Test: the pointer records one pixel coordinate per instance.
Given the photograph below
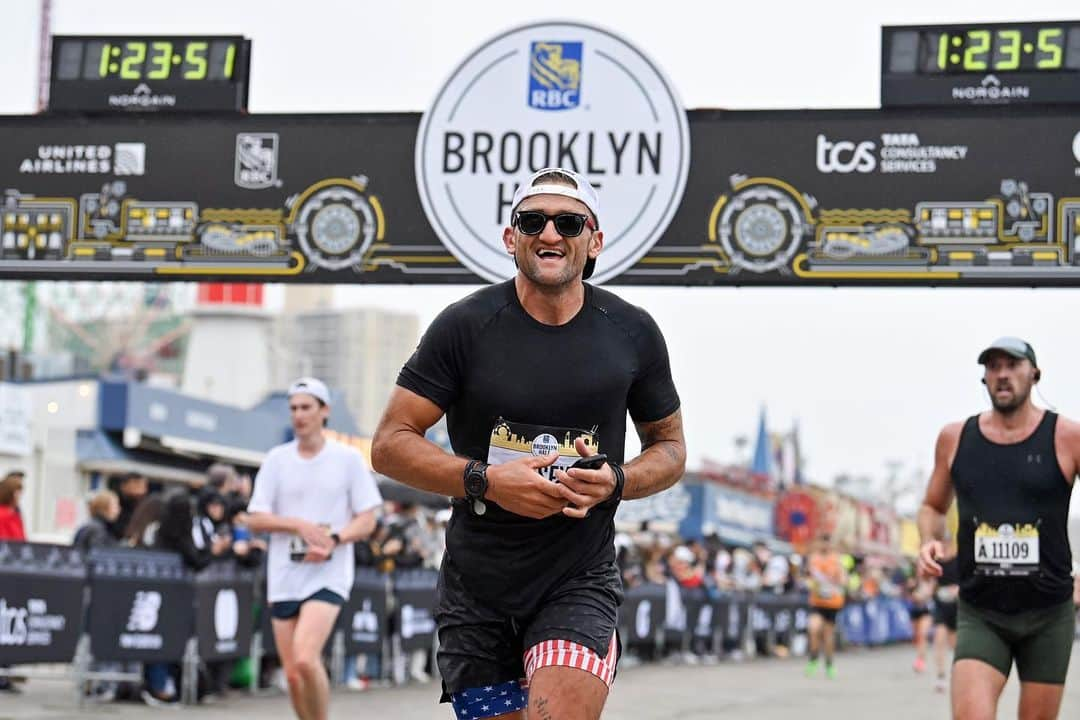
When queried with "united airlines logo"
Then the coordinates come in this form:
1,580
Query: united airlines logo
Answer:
555,75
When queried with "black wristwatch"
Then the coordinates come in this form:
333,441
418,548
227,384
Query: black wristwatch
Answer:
476,485
336,538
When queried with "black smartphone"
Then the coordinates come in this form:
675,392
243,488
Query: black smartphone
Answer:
593,462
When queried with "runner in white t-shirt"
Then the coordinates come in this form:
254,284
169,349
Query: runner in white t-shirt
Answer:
315,498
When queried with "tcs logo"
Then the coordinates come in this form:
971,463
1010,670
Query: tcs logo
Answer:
844,156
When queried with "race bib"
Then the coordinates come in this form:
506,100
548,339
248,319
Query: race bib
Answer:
513,440
1007,550
298,547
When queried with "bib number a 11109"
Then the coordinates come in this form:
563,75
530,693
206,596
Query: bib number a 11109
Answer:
1011,550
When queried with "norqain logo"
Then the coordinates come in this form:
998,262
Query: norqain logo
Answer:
619,123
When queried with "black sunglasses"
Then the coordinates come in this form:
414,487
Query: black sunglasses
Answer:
533,222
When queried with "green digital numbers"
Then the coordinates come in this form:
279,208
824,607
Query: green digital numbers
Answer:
1050,46
978,44
1008,50
103,66
943,52
1025,48
230,59
160,60
131,64
195,59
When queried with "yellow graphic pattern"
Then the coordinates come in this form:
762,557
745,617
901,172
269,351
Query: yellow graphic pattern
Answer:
503,436
1027,530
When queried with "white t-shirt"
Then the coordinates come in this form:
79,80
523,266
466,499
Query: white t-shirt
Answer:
328,489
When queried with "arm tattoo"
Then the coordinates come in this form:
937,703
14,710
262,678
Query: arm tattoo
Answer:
662,459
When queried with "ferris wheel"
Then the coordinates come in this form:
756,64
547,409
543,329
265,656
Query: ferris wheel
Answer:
102,321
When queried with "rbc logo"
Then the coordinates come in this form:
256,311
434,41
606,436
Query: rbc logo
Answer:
555,75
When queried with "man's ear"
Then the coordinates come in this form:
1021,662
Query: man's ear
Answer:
596,243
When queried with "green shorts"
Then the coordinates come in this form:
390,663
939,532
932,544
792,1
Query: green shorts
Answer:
1040,641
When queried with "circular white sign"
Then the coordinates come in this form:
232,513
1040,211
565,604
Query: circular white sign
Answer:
554,94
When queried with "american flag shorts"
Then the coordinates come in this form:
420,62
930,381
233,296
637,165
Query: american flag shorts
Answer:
563,653
491,700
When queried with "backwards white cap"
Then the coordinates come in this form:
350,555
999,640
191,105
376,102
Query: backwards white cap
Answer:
582,189
310,386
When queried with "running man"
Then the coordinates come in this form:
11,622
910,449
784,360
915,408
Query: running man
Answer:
827,582
920,590
1012,469
534,374
945,599
316,498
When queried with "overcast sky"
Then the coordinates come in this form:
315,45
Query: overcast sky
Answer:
870,374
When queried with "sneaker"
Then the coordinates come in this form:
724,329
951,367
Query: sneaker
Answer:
358,684
830,672
942,685
811,668
154,701
919,665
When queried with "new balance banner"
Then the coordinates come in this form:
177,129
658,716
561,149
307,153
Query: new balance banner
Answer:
141,605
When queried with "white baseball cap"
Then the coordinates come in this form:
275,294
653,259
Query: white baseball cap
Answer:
684,554
582,191
310,386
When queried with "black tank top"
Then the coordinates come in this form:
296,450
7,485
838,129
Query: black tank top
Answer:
1013,506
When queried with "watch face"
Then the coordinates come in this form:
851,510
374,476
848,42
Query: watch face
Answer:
476,482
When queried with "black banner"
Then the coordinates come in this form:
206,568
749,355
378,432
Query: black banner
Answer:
41,600
738,616
642,612
979,196
224,611
414,615
141,605
364,618
704,615
784,615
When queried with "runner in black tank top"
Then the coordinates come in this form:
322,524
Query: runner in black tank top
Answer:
1011,470
1014,510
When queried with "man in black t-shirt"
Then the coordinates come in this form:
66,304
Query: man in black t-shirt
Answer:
1011,469
533,375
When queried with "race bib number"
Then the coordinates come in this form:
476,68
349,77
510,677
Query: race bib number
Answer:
1009,550
298,547
513,440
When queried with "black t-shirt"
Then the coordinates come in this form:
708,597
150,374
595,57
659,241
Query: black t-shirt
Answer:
511,385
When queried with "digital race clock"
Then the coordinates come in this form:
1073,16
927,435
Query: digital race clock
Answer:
1032,63
151,73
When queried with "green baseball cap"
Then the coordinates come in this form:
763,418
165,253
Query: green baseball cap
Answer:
1014,346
